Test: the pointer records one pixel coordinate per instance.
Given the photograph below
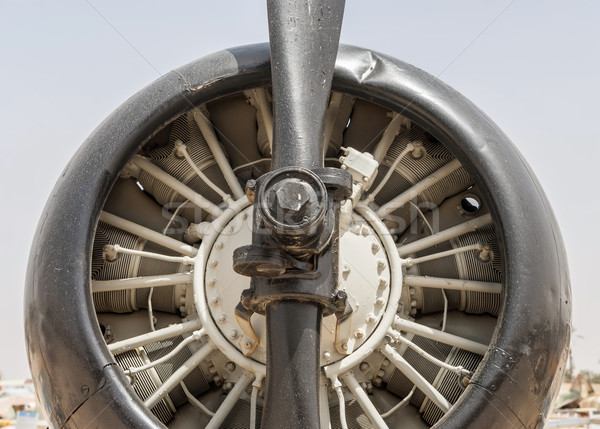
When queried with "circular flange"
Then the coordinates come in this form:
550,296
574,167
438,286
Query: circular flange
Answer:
364,274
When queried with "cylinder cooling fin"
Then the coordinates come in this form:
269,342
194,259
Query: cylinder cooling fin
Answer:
456,319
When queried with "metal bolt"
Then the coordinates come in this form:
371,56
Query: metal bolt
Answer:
230,366
346,269
379,301
234,334
385,363
380,373
251,190
341,295
381,264
212,282
247,345
364,367
375,247
326,356
219,245
377,381
359,333
365,230
371,318
383,283
215,300
222,318
244,216
213,264
345,346
85,389
293,198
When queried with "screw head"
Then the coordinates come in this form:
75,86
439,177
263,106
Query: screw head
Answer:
222,318
234,334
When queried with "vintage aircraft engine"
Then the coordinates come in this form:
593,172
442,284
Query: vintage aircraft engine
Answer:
450,304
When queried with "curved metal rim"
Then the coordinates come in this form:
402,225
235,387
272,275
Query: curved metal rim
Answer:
512,376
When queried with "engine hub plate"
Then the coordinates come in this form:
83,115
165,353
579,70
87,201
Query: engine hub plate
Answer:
364,274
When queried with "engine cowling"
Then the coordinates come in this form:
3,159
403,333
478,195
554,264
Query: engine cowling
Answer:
449,253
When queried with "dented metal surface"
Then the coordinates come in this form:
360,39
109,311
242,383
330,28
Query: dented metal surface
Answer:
514,384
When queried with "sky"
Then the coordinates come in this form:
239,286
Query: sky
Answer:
531,66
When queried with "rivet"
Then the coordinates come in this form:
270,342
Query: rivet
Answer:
326,356
233,334
359,333
345,346
215,300
244,216
222,318
219,245
212,282
371,318
229,229
213,264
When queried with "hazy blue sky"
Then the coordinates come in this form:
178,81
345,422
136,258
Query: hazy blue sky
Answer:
531,66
